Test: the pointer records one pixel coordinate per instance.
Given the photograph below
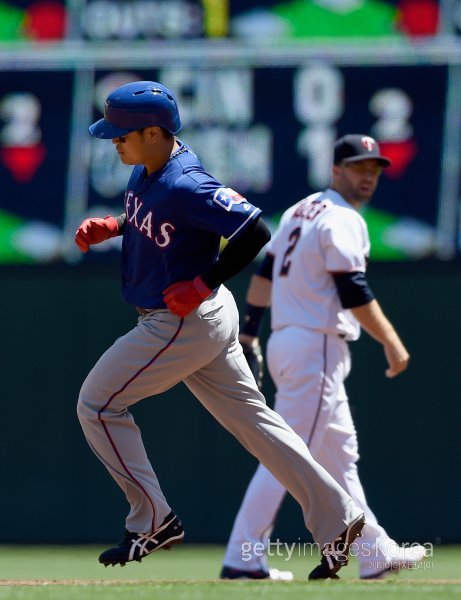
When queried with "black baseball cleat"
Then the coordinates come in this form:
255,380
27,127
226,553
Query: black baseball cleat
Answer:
230,573
336,554
272,574
135,546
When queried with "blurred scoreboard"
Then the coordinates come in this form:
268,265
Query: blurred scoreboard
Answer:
263,119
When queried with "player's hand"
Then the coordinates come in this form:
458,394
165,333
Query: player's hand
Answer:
94,231
183,296
255,360
397,358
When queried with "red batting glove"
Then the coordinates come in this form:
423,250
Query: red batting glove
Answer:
183,296
95,231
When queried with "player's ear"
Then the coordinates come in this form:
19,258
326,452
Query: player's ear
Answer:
335,170
153,133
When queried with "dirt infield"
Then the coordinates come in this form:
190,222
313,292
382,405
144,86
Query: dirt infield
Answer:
105,582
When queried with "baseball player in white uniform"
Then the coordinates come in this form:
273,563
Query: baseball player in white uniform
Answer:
314,278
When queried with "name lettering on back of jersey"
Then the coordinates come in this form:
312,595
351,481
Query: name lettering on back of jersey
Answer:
310,210
145,224
227,198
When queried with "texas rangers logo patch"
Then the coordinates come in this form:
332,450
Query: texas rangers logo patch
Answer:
227,198
368,143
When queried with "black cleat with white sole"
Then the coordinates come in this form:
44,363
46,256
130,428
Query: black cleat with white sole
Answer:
272,574
336,554
135,546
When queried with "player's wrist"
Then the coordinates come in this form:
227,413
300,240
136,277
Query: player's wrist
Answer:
253,320
202,288
121,223
248,340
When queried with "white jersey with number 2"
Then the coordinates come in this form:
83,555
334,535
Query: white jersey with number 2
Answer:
320,235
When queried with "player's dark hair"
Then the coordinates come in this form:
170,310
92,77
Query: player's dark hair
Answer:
167,134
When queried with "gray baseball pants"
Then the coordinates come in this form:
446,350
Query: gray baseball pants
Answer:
203,351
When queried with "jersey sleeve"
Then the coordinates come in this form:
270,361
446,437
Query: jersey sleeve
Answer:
345,242
220,210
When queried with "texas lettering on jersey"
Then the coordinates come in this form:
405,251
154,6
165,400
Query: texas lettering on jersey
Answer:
145,223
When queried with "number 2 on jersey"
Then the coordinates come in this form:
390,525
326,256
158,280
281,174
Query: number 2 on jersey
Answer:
286,262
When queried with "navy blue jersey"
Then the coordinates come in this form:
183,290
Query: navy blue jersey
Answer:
175,220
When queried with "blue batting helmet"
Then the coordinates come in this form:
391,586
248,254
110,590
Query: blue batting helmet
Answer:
136,105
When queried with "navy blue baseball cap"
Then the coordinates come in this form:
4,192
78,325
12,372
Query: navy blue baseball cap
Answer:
355,147
137,105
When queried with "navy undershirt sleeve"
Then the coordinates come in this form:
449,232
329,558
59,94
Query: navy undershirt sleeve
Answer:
352,289
265,268
254,314
238,253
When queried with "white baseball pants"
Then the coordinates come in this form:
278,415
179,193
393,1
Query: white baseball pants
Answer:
308,369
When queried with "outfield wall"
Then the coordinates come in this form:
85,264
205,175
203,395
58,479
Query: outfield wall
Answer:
56,321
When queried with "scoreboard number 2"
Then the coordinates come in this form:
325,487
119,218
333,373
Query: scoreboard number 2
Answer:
393,108
20,113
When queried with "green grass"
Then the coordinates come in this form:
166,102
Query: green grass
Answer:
190,572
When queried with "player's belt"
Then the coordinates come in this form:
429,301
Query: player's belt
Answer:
143,311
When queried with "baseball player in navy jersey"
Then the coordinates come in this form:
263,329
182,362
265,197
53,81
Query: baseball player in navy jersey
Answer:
174,216
314,277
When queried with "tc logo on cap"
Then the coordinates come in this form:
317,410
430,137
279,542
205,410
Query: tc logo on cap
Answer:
368,143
